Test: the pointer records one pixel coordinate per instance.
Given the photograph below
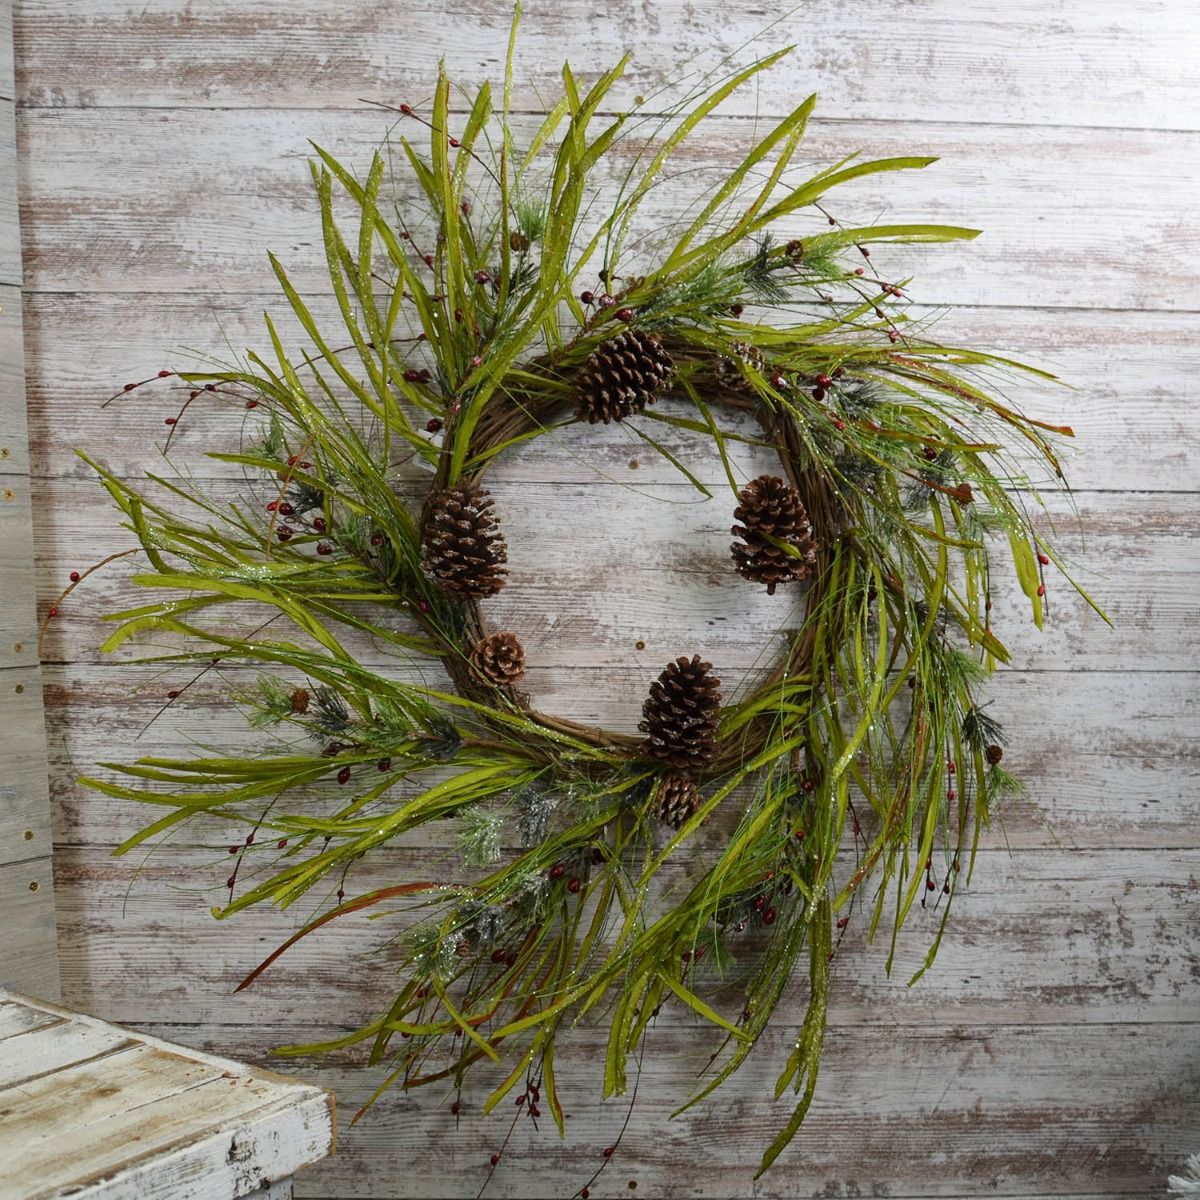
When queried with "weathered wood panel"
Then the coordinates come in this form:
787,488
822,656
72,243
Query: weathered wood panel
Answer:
1053,1050
1110,933
1111,758
139,1119
900,1112
14,450
29,958
10,242
1130,397
620,567
1105,62
1112,221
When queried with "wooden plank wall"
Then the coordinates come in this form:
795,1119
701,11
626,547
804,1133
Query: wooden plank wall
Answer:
28,950
1055,1050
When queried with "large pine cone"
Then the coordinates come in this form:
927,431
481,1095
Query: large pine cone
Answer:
677,799
621,377
681,714
771,508
500,659
462,546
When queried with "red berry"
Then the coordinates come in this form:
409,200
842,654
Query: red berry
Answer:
736,309
286,509
250,838
860,270
230,882
412,376
584,1194
377,539
573,886
384,764
406,109
251,403
324,548
341,895
557,871
1041,589
454,1107
520,1099
74,577
284,533
210,387
279,845
165,374
319,524
343,776
168,420
929,885
498,956
624,314
475,362
951,795
769,917
951,766
172,694
818,394
893,336
129,387
864,252
760,903
606,301
52,611
843,922
838,423
586,297
778,381
433,425
1044,559
808,785
534,1111
494,1159
482,277
234,849
429,260
535,1092
272,505
824,380
608,1151
800,835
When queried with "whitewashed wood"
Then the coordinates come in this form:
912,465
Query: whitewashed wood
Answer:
7,85
18,1018
1103,232
169,205
901,1112
14,451
1110,758
619,567
1105,62
1043,936
141,1118
1130,397
53,1047
10,245
29,960
18,620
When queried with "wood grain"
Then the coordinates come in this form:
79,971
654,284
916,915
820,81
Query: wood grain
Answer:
976,1110
14,449
1110,932
1104,62
1054,1049
1128,391
153,223
127,1117
30,958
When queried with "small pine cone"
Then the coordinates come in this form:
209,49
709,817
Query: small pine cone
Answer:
681,714
622,376
729,370
677,799
994,754
300,701
500,659
463,546
771,508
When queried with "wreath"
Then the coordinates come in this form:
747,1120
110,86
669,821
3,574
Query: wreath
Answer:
856,774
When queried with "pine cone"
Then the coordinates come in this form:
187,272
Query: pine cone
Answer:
771,508
622,376
730,374
677,799
463,546
681,714
500,659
